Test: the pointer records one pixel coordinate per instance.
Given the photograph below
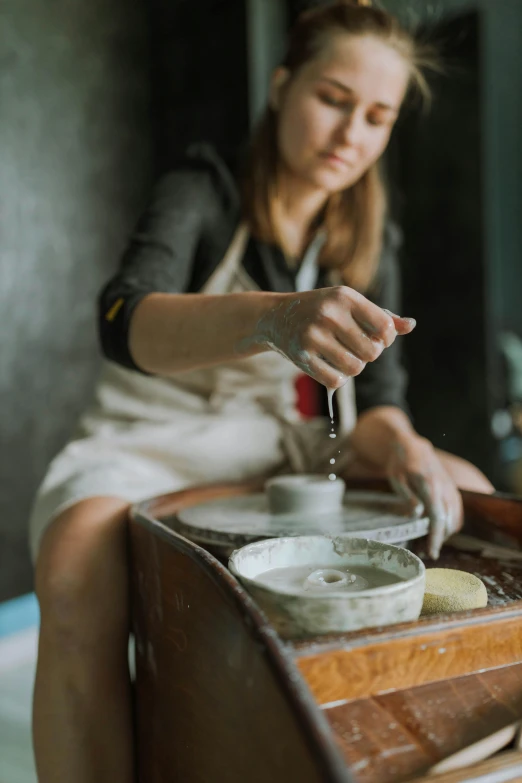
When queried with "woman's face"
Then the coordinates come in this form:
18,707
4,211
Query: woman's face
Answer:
337,112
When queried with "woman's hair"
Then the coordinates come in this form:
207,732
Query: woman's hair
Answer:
353,218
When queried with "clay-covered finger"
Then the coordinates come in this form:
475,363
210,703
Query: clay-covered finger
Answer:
374,321
438,531
358,342
400,486
402,325
432,497
455,514
338,356
421,488
323,372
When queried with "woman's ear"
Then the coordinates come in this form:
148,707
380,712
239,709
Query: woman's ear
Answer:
279,78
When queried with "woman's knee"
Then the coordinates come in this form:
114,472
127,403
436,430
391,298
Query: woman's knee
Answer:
465,474
81,573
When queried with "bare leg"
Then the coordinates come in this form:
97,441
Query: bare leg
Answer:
82,720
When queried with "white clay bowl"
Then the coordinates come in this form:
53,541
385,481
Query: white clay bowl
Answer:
294,614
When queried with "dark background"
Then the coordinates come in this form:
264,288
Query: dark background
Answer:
438,199
97,98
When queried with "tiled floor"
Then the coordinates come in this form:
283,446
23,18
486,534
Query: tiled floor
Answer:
17,667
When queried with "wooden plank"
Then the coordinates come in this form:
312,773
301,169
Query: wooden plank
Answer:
500,512
358,665
387,738
377,748
504,768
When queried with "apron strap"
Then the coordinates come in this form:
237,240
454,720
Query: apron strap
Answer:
219,281
346,407
306,277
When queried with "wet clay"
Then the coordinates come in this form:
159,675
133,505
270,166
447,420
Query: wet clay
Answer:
332,476
320,579
331,393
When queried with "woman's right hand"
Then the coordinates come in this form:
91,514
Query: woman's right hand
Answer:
330,333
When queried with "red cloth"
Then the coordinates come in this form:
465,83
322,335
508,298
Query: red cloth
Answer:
308,397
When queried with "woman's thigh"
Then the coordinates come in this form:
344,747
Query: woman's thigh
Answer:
81,577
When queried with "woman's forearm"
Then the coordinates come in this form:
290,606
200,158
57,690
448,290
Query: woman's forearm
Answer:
378,432
329,333
177,332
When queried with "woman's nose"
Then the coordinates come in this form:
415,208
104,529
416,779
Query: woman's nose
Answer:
352,129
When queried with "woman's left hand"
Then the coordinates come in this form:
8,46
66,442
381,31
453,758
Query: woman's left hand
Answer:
416,472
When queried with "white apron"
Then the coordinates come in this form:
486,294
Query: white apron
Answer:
148,435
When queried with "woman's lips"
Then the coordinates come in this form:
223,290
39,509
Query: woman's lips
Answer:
336,160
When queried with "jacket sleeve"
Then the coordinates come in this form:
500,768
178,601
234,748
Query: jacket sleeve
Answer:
161,256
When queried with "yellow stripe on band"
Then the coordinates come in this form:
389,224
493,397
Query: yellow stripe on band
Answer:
113,312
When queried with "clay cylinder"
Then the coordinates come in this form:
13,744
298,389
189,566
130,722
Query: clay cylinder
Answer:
306,494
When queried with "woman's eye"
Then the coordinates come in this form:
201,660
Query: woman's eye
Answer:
330,101
377,121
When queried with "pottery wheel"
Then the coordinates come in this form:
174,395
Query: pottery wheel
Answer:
239,520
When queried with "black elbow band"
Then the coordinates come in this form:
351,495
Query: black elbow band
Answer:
114,318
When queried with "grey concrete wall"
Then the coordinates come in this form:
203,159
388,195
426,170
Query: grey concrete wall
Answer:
75,165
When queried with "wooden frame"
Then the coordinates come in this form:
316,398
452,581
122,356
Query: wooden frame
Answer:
406,656
217,696
220,697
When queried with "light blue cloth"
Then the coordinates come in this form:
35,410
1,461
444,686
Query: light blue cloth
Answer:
19,614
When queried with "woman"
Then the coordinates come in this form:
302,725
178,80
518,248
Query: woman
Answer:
219,303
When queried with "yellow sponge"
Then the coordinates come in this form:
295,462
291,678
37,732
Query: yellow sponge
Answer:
448,590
